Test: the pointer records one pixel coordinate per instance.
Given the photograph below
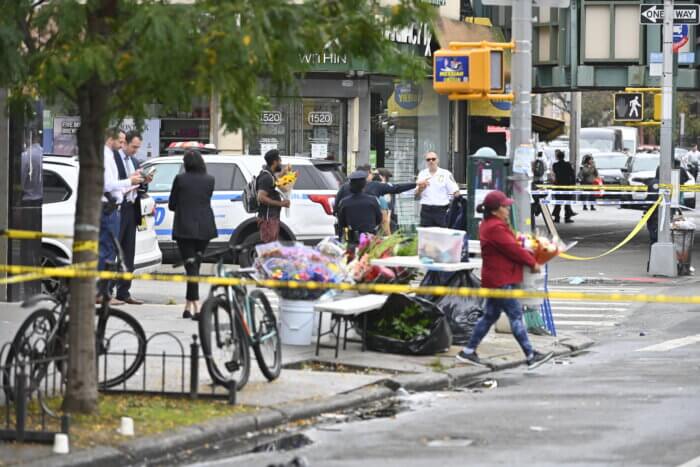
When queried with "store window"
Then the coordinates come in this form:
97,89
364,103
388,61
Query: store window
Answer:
307,127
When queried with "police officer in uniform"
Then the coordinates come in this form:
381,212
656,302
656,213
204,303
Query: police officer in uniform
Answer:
359,212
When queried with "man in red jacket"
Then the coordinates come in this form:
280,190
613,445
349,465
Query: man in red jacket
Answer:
503,261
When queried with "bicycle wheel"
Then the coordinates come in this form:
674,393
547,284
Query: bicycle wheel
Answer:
266,340
30,344
121,342
224,343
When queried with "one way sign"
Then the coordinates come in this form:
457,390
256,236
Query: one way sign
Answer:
682,14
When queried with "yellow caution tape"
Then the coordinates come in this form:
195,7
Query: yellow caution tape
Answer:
21,278
368,288
30,234
629,237
86,245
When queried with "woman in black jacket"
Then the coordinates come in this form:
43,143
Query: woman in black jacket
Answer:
194,226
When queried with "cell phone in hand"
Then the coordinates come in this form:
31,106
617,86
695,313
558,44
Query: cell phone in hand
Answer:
148,171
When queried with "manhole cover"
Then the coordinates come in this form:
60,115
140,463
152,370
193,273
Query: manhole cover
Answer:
450,443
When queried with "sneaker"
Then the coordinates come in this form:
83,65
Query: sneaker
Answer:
585,208
472,358
538,359
556,221
593,208
569,221
573,214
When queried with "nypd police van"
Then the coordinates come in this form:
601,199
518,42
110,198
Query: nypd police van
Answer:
308,220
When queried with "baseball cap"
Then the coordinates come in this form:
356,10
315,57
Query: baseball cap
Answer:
358,175
496,199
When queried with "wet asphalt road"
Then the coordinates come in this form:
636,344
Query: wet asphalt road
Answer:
615,404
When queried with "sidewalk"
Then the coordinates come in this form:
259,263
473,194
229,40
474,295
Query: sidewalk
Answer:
307,387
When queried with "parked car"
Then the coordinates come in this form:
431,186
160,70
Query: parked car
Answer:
309,219
641,168
60,174
630,137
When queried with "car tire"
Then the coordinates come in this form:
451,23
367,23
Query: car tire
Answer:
246,258
49,259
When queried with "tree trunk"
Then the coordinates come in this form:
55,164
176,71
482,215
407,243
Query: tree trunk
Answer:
81,390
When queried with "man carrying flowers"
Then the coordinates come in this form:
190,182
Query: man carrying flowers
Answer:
270,201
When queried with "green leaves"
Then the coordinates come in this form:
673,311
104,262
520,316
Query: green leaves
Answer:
149,51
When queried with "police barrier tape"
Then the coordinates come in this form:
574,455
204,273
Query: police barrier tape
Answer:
684,188
69,272
629,237
588,192
560,202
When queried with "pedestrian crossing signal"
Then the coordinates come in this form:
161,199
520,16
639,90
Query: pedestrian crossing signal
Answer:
628,106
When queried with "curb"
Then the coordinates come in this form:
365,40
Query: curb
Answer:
153,447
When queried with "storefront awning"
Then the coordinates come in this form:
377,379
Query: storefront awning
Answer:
450,30
547,128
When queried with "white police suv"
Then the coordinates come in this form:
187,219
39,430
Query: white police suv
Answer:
60,177
308,220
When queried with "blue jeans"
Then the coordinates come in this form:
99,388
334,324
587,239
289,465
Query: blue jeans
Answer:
513,310
109,225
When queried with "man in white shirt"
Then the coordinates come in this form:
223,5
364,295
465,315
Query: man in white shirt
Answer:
111,206
435,189
130,211
694,160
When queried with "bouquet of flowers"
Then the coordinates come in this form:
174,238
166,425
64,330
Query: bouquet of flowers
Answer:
285,184
374,247
543,248
298,262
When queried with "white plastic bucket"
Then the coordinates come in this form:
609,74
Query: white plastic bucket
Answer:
296,321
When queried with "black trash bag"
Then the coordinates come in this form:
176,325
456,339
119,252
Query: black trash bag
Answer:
437,339
462,313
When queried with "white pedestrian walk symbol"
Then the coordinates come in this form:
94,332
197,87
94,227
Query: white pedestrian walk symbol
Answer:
635,105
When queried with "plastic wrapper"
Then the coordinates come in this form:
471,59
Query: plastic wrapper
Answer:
298,262
542,247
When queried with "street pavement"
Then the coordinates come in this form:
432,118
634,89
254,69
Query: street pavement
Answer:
602,384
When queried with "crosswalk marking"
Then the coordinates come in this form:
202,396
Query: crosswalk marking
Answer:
584,315
671,344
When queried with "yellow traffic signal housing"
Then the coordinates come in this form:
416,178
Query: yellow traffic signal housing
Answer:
657,107
468,71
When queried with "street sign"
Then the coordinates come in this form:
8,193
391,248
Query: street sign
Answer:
680,36
682,14
629,106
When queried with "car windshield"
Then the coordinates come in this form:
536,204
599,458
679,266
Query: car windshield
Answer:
645,164
597,143
611,161
164,176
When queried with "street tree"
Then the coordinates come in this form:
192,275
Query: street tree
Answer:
113,58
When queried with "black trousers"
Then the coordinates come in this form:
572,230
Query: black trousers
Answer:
433,216
188,251
127,240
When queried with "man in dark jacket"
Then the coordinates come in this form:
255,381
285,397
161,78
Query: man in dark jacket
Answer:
359,212
373,188
563,175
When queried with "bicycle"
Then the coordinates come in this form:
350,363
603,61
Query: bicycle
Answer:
232,320
42,338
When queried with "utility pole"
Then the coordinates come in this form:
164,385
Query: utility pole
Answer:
662,261
521,118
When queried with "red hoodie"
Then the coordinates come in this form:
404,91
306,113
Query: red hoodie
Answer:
503,257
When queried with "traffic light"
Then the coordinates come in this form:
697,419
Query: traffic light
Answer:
657,107
468,70
628,106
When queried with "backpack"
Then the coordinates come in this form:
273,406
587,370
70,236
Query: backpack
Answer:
539,168
250,194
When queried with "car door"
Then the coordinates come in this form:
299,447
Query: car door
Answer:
159,190
58,208
227,201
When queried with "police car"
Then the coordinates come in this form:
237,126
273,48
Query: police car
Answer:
309,219
60,179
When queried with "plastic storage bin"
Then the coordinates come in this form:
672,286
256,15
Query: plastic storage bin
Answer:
440,245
